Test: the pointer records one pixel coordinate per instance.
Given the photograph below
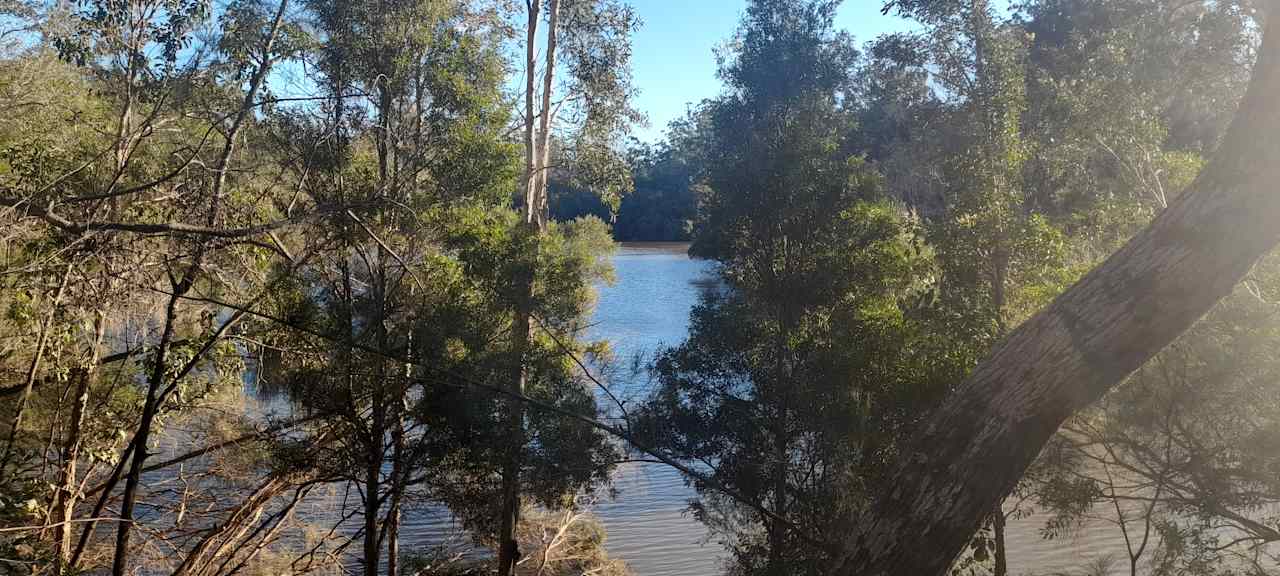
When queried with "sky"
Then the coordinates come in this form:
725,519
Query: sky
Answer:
674,63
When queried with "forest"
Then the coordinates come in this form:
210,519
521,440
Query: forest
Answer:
277,277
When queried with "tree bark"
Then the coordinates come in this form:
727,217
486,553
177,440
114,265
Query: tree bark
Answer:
537,142
979,443
547,116
508,548
393,532
530,109
1000,556
373,489
64,510
120,562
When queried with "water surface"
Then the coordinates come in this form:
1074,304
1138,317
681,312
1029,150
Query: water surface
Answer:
647,308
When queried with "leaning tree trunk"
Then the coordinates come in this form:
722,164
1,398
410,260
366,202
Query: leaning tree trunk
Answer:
979,443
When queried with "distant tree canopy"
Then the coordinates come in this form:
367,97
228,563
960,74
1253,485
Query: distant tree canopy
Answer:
661,207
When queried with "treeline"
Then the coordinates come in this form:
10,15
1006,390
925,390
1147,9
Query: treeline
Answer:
661,205
265,257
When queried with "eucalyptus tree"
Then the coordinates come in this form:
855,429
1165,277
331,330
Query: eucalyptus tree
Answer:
982,439
1043,145
996,254
1176,458
584,91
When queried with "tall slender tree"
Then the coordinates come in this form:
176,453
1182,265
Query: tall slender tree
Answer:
584,89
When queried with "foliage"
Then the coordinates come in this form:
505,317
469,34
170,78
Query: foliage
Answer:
661,207
766,395
464,415
255,249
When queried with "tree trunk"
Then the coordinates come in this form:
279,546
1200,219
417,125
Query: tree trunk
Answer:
979,443
530,110
112,480
1001,557
120,563
64,511
238,519
508,550
393,517
372,490
537,143
548,114
777,529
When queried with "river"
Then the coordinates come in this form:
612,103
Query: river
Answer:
648,307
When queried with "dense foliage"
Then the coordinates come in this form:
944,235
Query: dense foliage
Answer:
275,274
882,219
279,237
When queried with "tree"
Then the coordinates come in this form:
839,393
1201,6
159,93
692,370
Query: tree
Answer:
662,205
592,38
431,86
762,396
1091,337
135,47
996,253
1110,111
464,431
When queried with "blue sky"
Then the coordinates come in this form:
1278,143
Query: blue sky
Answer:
674,64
